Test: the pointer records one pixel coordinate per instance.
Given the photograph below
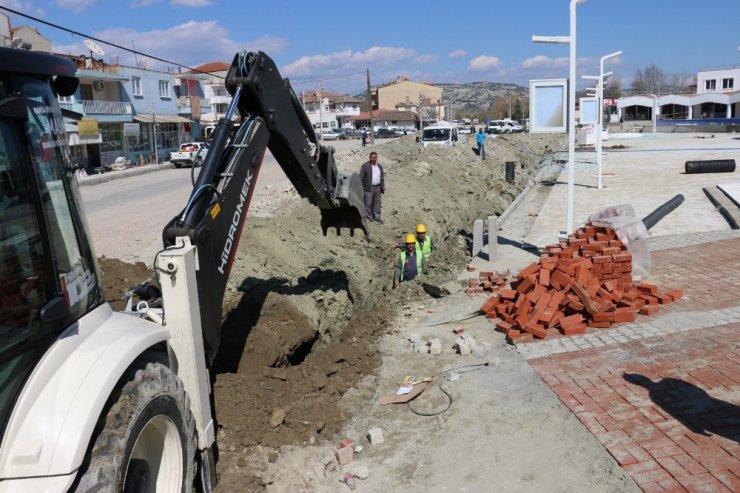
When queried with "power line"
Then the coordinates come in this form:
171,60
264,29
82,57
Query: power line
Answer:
83,35
320,79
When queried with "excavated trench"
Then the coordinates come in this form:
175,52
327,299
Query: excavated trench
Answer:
302,310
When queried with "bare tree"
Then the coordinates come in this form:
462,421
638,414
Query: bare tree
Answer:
681,82
639,85
655,79
613,88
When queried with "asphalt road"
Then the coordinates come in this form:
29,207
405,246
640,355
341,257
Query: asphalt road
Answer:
126,215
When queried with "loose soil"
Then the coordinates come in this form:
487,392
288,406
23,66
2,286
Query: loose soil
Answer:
303,311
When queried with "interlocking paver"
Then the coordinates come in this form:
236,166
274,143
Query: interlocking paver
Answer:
662,394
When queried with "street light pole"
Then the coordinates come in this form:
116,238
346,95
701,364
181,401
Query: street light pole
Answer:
571,40
599,156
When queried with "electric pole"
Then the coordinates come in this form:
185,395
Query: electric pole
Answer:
321,112
370,105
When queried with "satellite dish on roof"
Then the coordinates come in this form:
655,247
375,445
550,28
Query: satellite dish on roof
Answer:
93,47
16,43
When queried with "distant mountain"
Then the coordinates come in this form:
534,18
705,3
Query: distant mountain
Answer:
474,97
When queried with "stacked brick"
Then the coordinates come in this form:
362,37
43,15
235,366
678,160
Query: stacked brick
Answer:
583,281
487,281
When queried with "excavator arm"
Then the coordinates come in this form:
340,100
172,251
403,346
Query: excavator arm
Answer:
271,117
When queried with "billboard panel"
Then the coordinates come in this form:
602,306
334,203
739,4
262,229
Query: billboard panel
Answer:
548,106
589,110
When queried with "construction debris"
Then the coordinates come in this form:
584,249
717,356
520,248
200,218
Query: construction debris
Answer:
487,281
583,281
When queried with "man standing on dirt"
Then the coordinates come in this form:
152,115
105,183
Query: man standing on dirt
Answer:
410,262
480,138
373,184
364,138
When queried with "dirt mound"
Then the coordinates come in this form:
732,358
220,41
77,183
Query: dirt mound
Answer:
302,310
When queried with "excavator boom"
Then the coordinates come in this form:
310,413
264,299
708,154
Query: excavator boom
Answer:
271,117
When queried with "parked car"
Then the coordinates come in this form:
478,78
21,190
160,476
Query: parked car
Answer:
515,128
349,134
329,135
385,133
496,127
191,153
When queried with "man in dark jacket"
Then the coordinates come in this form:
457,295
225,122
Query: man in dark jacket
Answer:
373,184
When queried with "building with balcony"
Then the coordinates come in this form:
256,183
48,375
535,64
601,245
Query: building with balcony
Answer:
125,112
330,110
216,97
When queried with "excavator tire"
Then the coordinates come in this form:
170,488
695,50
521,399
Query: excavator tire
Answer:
145,438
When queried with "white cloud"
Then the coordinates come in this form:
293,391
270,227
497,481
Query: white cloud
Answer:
542,61
458,54
190,44
425,59
142,3
22,6
74,5
190,3
348,59
484,62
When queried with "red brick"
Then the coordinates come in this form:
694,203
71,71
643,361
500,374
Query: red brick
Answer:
534,294
574,330
502,326
622,455
508,294
526,285
520,338
490,304
460,330
649,310
647,287
663,299
599,325
675,294
471,268
473,283
626,316
556,298
527,271
544,277
604,317
486,274
535,329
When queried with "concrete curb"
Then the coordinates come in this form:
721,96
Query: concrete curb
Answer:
115,175
512,207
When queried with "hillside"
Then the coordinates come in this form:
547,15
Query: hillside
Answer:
474,97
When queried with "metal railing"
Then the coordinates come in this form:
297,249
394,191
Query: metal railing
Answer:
107,107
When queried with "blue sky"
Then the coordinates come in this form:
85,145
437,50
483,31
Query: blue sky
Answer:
437,41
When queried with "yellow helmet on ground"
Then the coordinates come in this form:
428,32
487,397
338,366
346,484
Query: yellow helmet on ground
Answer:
410,238
420,228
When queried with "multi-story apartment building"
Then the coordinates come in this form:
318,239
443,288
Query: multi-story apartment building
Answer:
129,112
407,95
216,97
330,110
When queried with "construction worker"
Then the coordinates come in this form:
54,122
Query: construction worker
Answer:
424,243
410,262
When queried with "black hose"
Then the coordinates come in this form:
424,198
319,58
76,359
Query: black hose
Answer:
710,166
654,217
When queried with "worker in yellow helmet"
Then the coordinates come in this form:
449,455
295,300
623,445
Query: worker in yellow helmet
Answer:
410,262
424,243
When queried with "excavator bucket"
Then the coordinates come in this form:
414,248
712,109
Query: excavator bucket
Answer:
349,206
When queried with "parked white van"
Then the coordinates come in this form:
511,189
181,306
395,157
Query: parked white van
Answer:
441,133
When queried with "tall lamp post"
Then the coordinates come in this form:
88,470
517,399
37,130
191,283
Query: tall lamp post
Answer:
571,40
599,157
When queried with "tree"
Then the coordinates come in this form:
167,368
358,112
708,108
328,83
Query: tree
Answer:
517,113
639,85
613,88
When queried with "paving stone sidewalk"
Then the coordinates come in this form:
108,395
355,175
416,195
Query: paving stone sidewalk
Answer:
663,394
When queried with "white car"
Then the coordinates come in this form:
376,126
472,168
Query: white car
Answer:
191,153
330,135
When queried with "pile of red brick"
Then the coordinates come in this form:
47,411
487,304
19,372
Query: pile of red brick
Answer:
488,281
584,281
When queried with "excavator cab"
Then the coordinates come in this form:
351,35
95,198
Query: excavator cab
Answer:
48,273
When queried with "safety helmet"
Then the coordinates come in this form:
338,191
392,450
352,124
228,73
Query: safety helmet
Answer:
410,238
420,228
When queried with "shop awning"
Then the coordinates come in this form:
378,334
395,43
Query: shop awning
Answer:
157,118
